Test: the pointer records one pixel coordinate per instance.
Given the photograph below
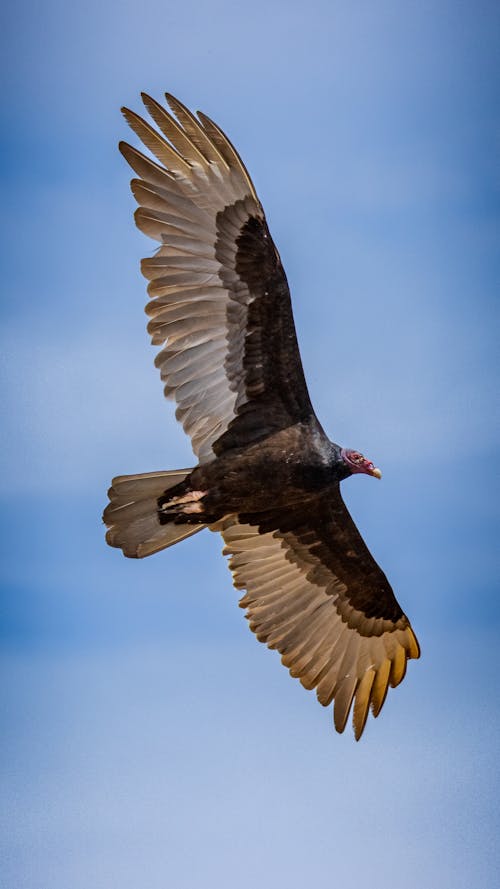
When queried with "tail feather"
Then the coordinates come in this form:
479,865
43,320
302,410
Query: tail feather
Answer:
132,513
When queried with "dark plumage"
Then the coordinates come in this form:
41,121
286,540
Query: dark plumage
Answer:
267,476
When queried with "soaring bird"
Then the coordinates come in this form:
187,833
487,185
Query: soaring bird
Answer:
267,477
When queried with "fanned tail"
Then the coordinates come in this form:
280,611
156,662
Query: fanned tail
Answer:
133,517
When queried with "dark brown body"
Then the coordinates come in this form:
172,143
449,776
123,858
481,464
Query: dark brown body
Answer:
287,468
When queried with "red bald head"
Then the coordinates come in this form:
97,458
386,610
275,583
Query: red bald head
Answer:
358,463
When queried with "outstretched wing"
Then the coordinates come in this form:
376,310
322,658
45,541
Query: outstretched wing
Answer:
315,593
220,305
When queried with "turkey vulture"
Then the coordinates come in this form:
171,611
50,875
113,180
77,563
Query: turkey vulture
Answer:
267,477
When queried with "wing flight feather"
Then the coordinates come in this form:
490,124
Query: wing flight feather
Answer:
304,599
216,279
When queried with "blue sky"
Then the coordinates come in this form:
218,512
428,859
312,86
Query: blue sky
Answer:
147,738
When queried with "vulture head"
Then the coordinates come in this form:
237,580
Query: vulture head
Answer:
356,462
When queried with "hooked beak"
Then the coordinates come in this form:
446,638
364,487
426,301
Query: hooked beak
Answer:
376,472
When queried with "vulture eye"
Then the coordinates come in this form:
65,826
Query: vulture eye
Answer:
357,458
